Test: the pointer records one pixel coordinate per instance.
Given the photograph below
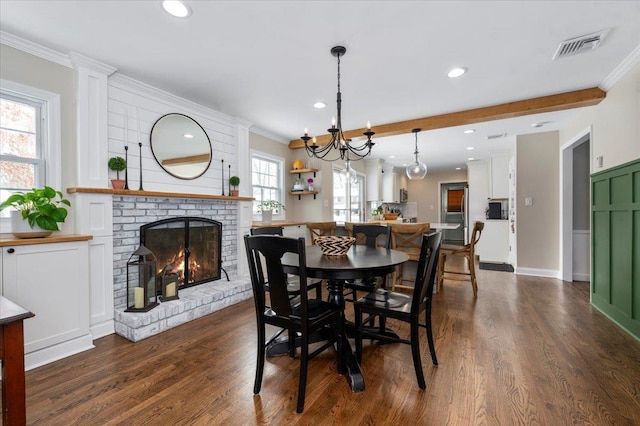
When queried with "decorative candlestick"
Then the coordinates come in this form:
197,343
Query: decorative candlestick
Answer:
229,179
126,169
222,176
140,146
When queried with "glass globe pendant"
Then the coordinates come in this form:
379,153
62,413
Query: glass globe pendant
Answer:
348,175
416,170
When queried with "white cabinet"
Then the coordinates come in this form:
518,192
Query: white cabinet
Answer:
494,242
373,168
52,281
499,176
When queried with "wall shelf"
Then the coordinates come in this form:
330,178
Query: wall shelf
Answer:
136,193
299,193
299,172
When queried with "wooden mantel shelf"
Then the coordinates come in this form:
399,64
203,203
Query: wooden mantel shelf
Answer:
136,193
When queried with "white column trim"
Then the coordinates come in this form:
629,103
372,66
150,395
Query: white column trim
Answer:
245,215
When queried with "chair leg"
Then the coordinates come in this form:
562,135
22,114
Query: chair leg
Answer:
340,338
319,291
472,272
441,261
292,343
432,348
257,384
415,351
304,361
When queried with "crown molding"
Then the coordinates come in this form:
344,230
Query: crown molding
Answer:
267,134
35,49
625,66
143,89
78,60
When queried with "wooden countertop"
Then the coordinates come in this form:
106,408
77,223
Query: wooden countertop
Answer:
5,242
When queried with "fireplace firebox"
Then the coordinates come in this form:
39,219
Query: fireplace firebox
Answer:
191,246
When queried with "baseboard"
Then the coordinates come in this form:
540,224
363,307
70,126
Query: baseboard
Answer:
102,329
61,350
581,277
549,273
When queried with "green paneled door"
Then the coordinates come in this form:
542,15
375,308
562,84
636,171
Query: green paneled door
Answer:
615,244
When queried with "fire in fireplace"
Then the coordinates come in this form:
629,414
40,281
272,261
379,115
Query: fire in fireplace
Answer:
187,246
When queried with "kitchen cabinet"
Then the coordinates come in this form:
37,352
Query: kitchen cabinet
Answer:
52,281
499,176
493,245
391,184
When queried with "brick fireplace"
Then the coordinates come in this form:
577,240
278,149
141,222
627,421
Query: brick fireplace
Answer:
129,214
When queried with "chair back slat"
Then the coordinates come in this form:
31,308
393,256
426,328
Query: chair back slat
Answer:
426,270
372,235
271,248
267,230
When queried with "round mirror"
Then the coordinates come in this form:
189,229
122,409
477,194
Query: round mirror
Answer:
181,146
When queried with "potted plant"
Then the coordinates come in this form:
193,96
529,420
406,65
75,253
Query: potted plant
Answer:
234,181
117,164
37,212
267,207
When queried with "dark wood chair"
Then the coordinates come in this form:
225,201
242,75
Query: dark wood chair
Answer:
303,317
389,304
468,251
292,280
371,236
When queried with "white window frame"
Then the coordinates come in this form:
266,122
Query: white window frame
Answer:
280,161
363,182
50,128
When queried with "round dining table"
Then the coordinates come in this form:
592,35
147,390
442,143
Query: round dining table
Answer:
360,262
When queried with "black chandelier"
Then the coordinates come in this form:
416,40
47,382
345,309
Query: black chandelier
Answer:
338,145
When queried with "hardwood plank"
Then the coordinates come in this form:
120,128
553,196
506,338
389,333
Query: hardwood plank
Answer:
528,350
557,102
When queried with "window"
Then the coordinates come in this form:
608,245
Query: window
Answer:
29,139
348,198
266,181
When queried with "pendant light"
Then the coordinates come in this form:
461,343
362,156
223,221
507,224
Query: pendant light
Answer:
417,169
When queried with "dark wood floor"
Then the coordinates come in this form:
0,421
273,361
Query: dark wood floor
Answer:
527,351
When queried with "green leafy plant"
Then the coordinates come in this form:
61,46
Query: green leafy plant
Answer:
270,205
117,164
234,181
41,206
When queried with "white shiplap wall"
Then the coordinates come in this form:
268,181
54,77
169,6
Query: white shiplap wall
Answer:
144,105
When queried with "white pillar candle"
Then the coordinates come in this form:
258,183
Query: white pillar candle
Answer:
171,289
138,297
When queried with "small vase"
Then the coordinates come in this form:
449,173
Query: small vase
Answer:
20,227
266,216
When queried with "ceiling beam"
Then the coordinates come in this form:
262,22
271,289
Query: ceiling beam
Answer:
551,103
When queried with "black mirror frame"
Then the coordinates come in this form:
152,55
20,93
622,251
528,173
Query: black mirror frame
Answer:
159,162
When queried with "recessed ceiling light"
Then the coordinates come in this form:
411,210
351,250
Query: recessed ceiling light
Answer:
404,164
468,131
469,148
188,135
319,105
392,156
458,168
470,159
456,72
176,8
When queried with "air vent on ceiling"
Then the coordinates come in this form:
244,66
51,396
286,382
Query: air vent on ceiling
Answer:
496,136
580,44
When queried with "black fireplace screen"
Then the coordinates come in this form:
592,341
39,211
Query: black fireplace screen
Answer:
187,246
